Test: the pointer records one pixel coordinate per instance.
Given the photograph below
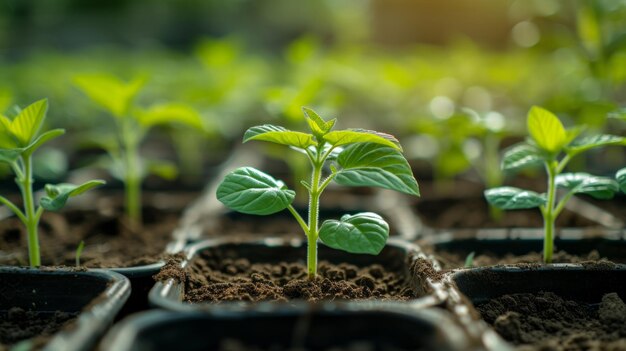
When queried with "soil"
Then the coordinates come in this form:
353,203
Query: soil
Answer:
473,212
109,239
17,324
452,260
224,276
461,204
546,321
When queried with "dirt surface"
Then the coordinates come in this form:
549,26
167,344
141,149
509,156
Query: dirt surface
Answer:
451,260
17,324
223,276
109,240
473,212
545,321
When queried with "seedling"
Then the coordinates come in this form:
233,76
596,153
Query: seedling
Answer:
79,252
469,260
355,157
20,137
553,146
132,124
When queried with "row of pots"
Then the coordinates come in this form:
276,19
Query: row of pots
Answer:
443,317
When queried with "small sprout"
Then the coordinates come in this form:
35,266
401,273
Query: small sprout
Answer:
552,146
20,137
360,158
79,252
469,260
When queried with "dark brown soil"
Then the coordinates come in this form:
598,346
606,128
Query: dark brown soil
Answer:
223,276
109,240
545,321
461,204
473,212
17,324
451,260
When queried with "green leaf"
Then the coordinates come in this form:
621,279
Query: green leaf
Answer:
583,183
10,155
591,142
248,190
521,156
510,198
618,114
42,139
279,135
370,164
57,195
361,233
318,126
546,130
620,176
351,136
163,169
27,124
110,92
170,113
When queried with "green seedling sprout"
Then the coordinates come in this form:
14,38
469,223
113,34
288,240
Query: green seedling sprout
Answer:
551,145
20,137
355,157
79,252
469,260
132,124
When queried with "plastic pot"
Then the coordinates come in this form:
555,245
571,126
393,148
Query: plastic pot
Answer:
397,253
290,328
97,294
584,284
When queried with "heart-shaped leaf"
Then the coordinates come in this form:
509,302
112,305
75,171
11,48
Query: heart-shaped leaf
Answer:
546,130
620,176
361,233
351,136
591,142
57,195
279,135
370,164
583,183
521,156
248,190
511,198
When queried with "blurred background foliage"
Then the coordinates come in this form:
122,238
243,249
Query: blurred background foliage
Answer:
453,79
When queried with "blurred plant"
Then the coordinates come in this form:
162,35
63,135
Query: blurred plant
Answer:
20,137
548,141
132,125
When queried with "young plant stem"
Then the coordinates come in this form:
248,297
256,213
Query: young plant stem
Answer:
548,213
25,181
314,202
132,178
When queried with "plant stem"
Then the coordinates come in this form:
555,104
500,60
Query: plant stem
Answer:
314,202
548,213
132,178
32,218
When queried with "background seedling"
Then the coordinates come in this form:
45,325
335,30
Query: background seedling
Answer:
79,252
20,137
355,157
553,146
132,125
